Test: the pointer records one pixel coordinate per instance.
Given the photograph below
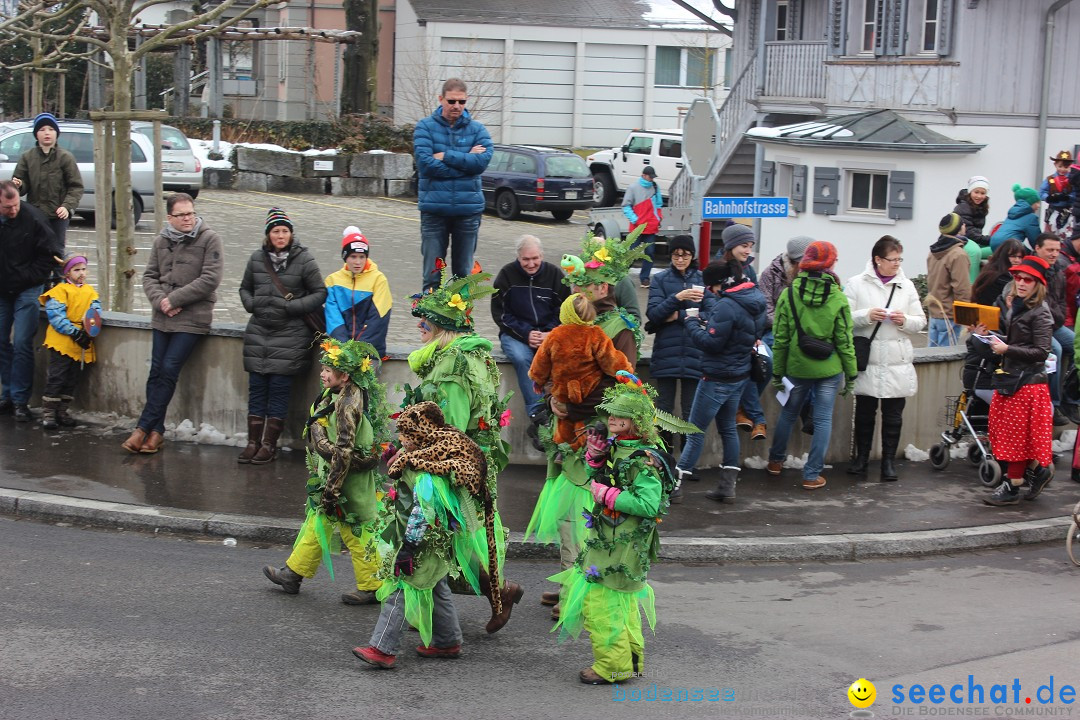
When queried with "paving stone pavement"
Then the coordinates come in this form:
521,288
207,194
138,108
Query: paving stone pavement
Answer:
391,224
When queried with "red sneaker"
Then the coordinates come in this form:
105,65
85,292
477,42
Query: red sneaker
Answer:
453,651
375,656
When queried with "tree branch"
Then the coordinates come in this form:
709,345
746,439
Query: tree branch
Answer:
168,37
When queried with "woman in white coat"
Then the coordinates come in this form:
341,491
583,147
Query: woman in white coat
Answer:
885,306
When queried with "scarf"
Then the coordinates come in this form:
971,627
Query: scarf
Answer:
174,236
279,259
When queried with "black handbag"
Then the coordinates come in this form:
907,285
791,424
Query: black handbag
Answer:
1006,383
862,344
759,366
812,347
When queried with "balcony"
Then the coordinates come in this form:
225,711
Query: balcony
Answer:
795,70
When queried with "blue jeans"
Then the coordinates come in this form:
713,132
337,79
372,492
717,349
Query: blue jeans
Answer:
59,228
938,331
650,250
521,357
439,233
167,357
1062,347
18,325
719,401
825,391
268,394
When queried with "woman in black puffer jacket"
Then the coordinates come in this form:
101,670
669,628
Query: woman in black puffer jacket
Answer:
277,340
676,360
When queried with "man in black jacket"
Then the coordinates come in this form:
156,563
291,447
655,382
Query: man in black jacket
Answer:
28,253
526,308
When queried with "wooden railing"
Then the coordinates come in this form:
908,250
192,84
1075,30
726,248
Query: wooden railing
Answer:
795,70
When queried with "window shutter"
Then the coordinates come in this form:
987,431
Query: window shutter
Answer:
901,194
945,28
837,27
767,188
794,20
895,27
826,190
798,188
880,12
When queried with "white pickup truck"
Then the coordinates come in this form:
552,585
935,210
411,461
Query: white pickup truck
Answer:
613,170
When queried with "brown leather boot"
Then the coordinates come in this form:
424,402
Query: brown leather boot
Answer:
153,443
268,449
255,433
510,594
135,441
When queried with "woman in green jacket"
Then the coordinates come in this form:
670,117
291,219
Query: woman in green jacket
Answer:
813,310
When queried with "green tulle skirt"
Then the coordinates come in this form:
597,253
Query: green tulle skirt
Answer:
564,496
610,611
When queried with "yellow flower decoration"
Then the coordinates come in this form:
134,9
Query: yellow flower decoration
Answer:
326,346
602,254
456,301
365,364
334,352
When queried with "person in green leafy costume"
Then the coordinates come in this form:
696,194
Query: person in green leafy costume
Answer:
457,372
630,482
345,433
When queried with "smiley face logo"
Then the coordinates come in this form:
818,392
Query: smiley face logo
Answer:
862,693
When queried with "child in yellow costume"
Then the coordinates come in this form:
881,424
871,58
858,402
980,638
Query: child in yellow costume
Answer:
345,432
630,483
70,345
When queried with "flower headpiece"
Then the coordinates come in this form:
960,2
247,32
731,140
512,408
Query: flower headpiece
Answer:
450,305
602,260
631,398
356,359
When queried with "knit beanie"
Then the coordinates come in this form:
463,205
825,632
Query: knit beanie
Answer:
1025,194
682,242
978,181
45,119
950,224
722,272
1032,265
735,235
353,241
819,256
275,217
796,247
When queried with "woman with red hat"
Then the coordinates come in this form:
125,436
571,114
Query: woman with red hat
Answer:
1021,415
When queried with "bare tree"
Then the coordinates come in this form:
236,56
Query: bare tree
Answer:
106,26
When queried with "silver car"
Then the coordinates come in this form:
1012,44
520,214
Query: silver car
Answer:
78,138
181,171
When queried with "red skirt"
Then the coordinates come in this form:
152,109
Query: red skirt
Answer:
1022,425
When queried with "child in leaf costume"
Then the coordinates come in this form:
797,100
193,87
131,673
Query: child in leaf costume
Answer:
630,481
345,433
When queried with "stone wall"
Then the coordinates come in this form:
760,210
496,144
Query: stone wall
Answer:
372,173
213,389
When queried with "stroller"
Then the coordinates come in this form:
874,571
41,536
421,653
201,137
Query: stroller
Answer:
967,416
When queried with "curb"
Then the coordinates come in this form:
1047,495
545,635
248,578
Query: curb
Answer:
802,548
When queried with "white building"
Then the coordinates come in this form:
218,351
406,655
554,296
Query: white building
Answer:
558,72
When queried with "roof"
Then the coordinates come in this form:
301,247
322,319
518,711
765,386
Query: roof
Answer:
872,130
640,14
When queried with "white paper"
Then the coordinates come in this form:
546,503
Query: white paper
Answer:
783,395
763,350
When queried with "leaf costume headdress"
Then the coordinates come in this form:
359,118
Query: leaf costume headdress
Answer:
631,398
602,260
450,305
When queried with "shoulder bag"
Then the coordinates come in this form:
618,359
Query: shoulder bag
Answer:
862,343
315,320
812,347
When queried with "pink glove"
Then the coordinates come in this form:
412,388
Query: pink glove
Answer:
609,497
599,491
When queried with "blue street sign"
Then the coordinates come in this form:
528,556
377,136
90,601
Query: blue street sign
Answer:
719,208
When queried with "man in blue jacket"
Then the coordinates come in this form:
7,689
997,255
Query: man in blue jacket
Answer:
452,150
526,309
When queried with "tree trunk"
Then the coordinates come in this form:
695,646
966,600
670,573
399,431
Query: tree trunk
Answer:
360,59
124,277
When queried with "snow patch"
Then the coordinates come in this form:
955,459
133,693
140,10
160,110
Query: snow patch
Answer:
915,454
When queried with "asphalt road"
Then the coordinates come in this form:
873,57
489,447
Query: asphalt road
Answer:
103,624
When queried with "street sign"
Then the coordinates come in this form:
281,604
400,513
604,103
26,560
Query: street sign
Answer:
699,135
721,208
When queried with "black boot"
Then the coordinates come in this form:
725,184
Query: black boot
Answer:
49,407
865,417
891,424
62,416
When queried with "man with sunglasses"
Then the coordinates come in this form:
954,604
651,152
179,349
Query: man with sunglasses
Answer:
452,151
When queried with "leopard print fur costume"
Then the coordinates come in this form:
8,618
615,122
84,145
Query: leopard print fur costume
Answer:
442,449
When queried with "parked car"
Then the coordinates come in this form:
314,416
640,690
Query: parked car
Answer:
181,171
529,177
78,138
613,170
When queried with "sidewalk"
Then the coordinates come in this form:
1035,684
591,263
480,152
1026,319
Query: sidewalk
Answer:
84,476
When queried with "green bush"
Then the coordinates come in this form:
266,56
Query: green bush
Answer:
348,133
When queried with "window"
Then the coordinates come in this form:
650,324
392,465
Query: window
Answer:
523,164
686,67
568,166
15,145
781,19
640,145
931,24
499,160
670,148
868,192
869,25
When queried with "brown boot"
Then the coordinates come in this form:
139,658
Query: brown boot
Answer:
268,449
135,441
48,413
153,443
255,433
743,421
62,416
510,594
